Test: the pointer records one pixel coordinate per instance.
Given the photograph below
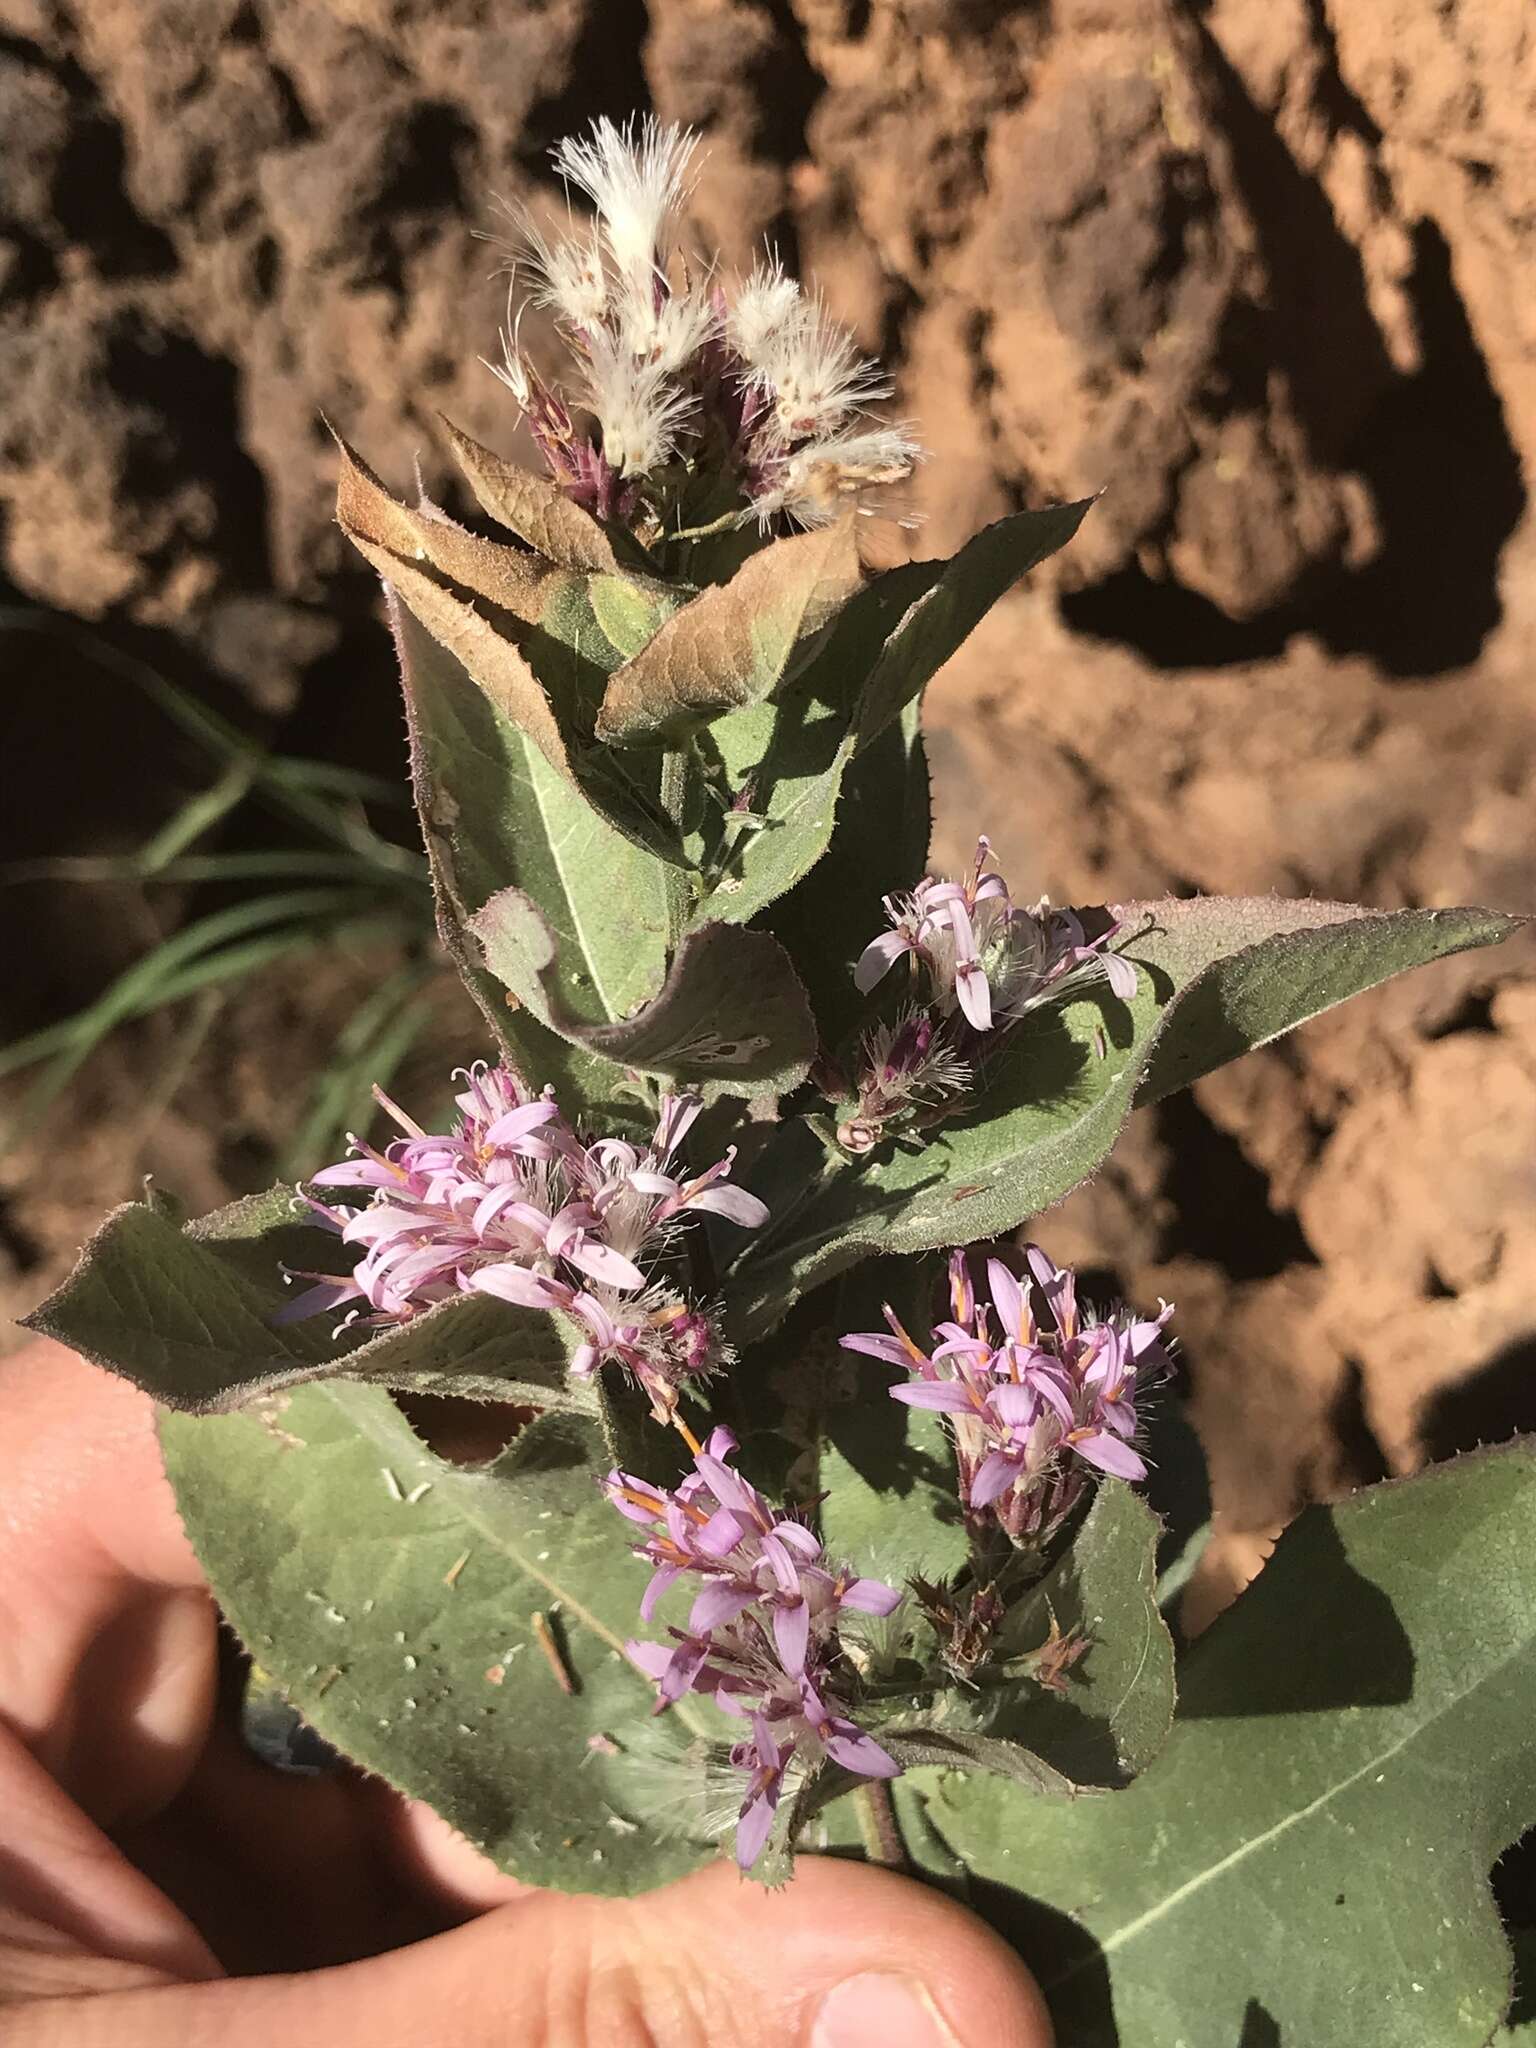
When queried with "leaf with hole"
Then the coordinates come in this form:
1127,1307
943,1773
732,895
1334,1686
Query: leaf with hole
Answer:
731,1015
457,1631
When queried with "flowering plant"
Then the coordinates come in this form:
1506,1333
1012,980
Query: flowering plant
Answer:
890,1582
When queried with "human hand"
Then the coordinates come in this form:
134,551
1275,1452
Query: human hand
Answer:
160,1888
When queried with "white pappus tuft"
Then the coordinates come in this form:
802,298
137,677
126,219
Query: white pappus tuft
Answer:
815,374
763,307
571,278
636,176
642,410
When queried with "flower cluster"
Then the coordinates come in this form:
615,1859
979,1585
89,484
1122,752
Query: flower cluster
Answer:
761,389
977,963
1035,1390
762,1638
986,958
515,1204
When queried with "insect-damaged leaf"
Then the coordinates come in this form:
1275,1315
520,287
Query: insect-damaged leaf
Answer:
730,645
456,1630
186,1314
730,1013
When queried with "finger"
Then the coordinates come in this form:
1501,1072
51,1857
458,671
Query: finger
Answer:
74,1913
107,1631
844,1957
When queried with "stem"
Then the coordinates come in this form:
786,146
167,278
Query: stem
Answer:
724,524
686,1433
878,1825
674,793
674,782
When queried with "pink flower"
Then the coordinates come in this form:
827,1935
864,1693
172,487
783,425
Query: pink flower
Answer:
977,955
515,1204
762,1637
1033,1391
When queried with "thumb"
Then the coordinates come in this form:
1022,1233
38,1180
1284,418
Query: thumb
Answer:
845,1957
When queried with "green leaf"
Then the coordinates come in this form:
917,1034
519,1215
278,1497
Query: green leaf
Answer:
984,1755
891,1509
878,845
186,1314
496,814
890,1503
1117,1707
529,634
1067,1077
885,645
1311,1850
956,600
1259,967
730,646
393,1596
731,1014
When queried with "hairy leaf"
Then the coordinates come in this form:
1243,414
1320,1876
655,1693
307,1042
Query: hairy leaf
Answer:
497,814
1115,1708
957,599
878,845
539,640
907,1522
374,520
457,1631
1311,1851
1059,1092
886,644
985,1756
731,1012
186,1314
731,644
539,512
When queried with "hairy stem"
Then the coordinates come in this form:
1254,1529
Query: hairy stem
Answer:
878,1826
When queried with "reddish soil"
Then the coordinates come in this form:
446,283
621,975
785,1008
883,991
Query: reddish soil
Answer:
1262,273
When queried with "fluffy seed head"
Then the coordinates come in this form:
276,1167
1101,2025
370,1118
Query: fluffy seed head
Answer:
636,176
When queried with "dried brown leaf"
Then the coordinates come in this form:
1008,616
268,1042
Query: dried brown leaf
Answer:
533,508
730,645
510,577
493,662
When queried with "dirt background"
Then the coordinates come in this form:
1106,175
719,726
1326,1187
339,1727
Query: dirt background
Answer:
1262,270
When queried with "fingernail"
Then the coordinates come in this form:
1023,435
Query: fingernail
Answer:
880,2012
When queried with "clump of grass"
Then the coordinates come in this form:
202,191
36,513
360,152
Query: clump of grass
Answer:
328,879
